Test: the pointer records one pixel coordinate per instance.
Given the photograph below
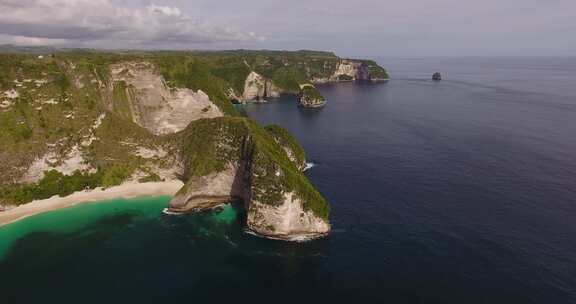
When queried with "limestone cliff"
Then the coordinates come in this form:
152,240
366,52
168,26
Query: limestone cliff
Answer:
99,119
258,88
293,150
355,70
287,221
235,159
140,93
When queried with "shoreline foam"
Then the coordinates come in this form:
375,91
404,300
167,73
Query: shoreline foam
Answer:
128,190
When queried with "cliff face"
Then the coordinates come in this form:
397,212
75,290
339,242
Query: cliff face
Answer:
351,70
290,145
250,75
140,93
258,166
355,70
101,119
287,221
205,192
258,88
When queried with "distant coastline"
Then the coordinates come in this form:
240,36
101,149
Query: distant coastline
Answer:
128,190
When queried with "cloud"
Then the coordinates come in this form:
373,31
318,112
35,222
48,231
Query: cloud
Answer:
104,22
31,41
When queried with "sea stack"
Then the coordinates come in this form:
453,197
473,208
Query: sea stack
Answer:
437,76
310,97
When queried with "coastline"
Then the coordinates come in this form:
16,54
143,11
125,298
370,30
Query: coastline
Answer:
127,190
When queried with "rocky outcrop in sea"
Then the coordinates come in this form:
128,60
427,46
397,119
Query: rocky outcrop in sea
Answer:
310,97
236,160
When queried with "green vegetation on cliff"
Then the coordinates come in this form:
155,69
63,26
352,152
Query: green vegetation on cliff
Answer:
214,72
57,107
287,70
120,100
187,71
267,185
285,139
45,108
376,71
211,145
311,93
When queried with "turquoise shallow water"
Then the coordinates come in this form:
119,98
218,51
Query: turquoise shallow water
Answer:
74,218
85,218
127,250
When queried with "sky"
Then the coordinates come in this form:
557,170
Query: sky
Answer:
368,28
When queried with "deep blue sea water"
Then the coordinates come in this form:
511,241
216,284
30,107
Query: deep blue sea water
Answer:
459,191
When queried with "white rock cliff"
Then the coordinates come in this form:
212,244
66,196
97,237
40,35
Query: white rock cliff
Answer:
153,105
258,88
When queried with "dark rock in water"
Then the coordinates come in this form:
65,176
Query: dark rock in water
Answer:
437,76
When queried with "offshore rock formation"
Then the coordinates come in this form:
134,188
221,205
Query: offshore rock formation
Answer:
258,88
310,97
235,159
140,94
255,76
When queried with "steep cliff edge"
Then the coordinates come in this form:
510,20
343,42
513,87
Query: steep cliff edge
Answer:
258,88
85,119
140,93
257,75
344,70
235,159
289,76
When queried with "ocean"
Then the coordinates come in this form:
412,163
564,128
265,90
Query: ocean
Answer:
459,191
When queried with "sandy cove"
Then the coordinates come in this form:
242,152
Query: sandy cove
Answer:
128,190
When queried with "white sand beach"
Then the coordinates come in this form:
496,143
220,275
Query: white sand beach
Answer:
128,190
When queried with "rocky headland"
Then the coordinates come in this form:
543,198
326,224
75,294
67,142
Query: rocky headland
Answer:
82,120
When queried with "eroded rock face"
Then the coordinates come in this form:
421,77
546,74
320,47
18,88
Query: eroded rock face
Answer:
258,88
67,162
352,69
205,192
285,221
140,93
255,167
308,102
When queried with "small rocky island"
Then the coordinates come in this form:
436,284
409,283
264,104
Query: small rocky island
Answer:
310,97
437,76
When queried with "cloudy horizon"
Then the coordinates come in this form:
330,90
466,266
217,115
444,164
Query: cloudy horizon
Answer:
355,28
